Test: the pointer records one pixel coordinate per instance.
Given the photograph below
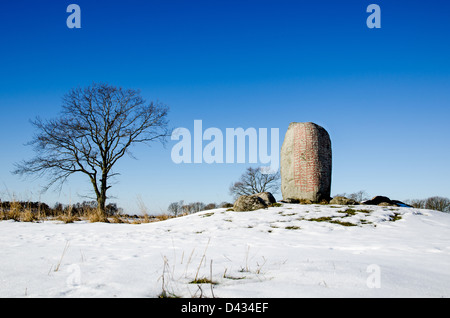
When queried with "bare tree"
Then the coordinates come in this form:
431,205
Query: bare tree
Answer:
417,203
176,207
253,181
210,206
97,126
193,207
359,196
438,203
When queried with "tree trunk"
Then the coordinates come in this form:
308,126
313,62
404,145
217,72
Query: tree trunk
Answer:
101,202
101,198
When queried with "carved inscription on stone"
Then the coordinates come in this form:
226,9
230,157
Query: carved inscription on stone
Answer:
306,162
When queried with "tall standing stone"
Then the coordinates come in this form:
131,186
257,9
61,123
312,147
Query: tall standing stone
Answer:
306,163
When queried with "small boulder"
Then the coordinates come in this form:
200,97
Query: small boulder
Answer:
249,203
267,197
254,202
385,201
377,200
340,200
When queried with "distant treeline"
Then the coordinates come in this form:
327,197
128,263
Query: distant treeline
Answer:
177,208
44,209
433,203
86,207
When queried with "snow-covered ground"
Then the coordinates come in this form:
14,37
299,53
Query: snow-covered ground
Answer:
288,251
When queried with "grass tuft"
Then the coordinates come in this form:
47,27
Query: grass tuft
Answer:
203,280
321,219
395,217
342,223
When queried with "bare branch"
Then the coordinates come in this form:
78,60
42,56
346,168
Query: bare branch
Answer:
253,181
97,126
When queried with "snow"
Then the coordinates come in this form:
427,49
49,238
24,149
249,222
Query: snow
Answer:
278,252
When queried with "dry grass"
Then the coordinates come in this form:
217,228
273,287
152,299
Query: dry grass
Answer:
28,216
18,213
96,216
22,212
28,211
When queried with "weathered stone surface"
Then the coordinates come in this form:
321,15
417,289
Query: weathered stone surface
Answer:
267,197
254,202
306,163
342,201
249,203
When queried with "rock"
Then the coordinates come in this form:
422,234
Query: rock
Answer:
377,200
267,197
305,162
254,202
339,200
385,201
249,203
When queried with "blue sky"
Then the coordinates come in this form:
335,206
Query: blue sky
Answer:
382,94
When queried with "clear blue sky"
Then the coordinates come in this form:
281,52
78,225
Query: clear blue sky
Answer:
382,94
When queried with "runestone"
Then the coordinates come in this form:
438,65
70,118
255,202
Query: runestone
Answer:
306,163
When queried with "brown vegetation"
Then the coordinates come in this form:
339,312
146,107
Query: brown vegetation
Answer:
86,211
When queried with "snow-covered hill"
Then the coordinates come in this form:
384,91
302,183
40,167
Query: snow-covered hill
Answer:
288,251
